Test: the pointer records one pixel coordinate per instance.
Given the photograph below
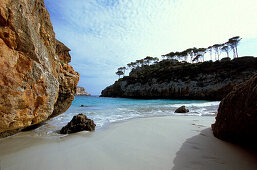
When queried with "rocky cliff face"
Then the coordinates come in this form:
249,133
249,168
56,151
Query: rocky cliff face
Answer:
67,78
81,91
236,120
208,80
35,77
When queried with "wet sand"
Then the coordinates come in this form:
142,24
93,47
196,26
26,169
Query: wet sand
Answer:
177,142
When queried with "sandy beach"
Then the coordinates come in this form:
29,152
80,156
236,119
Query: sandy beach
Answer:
174,142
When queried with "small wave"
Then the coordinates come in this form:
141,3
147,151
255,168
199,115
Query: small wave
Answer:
205,104
104,116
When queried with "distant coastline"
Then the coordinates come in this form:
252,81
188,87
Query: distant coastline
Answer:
172,79
81,91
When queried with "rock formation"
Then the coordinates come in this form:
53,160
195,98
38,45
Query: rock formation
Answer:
35,78
237,114
181,109
208,80
78,123
81,91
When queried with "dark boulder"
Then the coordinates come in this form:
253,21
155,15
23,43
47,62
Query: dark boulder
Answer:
181,109
78,123
236,120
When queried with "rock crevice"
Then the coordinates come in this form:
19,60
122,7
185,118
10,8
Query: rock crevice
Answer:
34,69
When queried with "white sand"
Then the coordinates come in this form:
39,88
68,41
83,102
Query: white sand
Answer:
180,142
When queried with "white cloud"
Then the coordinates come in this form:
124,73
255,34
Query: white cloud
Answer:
106,34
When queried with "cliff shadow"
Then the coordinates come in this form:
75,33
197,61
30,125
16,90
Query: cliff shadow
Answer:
204,151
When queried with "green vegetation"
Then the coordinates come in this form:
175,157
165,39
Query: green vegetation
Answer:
180,58
138,63
198,53
119,73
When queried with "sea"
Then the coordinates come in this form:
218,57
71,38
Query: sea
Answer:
106,111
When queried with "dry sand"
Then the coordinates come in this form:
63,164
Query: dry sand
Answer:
178,142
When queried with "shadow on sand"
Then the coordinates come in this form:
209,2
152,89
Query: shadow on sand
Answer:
205,152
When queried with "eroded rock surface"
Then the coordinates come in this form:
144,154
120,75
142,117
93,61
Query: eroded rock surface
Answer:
78,123
237,114
67,78
34,74
207,81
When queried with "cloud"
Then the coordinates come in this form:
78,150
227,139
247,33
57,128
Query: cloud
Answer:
106,34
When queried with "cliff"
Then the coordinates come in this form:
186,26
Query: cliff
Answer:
236,120
174,80
81,91
36,81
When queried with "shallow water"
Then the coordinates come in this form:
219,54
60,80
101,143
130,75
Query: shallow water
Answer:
105,111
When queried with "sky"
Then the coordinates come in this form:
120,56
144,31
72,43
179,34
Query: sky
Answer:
106,34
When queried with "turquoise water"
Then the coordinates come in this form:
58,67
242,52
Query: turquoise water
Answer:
105,111
99,103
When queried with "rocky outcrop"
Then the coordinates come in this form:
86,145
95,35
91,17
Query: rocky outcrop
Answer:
35,77
237,114
78,123
67,78
208,80
182,109
81,91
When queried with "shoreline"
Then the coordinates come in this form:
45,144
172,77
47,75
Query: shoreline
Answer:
56,135
170,142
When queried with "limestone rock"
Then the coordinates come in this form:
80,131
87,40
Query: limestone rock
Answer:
68,80
236,120
33,81
78,123
63,52
205,81
181,109
81,91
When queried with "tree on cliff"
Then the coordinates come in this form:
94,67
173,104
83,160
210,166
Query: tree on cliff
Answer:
119,73
155,59
148,60
216,48
123,69
138,63
184,54
196,58
233,43
192,53
173,55
178,55
209,49
201,52
132,65
225,48
170,55
197,53
141,62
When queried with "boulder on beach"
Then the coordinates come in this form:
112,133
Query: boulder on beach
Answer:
181,109
78,123
236,120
